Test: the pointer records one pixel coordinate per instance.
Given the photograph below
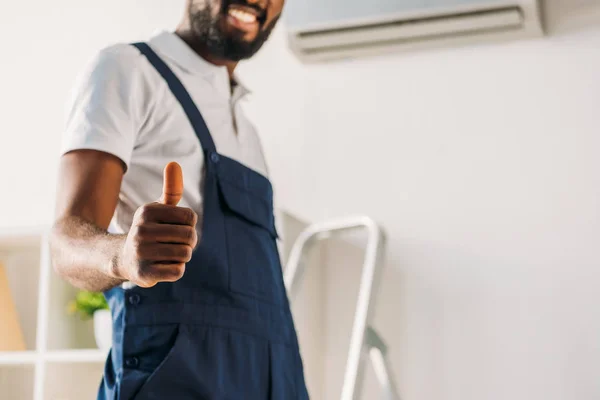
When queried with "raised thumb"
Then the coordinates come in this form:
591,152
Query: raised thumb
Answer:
172,184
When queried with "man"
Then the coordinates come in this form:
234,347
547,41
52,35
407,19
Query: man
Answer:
193,276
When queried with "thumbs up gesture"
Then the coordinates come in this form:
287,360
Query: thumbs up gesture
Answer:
162,237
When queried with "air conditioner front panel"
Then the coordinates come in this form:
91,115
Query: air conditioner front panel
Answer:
391,32
321,30
309,14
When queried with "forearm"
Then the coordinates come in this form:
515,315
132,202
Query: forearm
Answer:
84,254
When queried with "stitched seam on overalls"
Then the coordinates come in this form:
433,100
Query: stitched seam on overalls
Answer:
236,330
250,171
249,190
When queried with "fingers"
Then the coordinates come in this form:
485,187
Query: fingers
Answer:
158,213
165,253
164,233
152,273
172,184
161,263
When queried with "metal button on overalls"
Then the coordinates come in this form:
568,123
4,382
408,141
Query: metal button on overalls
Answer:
225,330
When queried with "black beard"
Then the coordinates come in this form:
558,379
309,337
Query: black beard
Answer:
223,45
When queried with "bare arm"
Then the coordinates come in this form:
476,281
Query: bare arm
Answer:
156,248
82,250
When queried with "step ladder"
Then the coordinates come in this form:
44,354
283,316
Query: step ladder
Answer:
365,341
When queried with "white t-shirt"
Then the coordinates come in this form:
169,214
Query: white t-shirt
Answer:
122,106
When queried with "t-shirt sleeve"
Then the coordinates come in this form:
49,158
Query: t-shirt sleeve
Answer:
103,112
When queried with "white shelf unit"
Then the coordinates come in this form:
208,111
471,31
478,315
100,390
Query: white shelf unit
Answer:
62,361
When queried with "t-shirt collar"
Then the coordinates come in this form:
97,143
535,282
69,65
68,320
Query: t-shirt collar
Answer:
169,45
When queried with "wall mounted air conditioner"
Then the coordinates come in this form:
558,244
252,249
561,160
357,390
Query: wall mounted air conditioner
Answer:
332,29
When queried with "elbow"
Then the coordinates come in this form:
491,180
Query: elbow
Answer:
54,244
58,247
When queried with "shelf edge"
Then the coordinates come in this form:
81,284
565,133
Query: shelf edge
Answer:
18,358
75,356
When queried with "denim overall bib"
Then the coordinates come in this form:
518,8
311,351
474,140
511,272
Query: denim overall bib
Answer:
225,330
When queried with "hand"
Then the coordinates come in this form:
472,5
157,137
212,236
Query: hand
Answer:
162,237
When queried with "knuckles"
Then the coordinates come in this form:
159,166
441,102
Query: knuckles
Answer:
186,215
149,275
145,213
178,270
142,276
142,233
152,212
188,253
189,216
138,250
189,234
194,218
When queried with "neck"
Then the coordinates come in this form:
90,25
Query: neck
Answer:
186,35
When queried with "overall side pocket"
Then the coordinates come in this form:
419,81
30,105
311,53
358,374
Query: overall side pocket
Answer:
146,351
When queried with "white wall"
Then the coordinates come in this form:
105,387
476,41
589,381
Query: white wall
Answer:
44,46
482,165
479,162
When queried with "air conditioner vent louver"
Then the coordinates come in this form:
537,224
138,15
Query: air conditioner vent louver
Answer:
354,37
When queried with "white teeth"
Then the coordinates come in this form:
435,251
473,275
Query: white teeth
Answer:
243,16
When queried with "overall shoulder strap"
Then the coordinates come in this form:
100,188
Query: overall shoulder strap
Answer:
182,96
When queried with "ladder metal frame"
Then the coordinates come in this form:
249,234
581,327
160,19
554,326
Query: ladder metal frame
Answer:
364,339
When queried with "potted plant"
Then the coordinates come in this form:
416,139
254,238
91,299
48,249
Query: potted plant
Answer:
93,305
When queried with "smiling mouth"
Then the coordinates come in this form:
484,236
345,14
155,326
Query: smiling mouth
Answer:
244,16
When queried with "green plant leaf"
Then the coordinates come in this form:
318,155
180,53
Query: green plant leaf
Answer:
87,303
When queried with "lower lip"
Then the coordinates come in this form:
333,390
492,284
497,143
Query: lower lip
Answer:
245,26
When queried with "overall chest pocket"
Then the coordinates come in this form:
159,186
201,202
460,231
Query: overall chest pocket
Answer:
253,258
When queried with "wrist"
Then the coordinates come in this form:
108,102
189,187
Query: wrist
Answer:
114,267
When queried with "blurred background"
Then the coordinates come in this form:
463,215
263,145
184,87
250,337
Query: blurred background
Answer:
477,154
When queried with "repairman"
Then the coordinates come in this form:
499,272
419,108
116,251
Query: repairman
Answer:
185,252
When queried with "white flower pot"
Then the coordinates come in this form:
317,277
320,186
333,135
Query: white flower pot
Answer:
103,329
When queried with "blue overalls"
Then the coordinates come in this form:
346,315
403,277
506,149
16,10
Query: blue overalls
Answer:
225,330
